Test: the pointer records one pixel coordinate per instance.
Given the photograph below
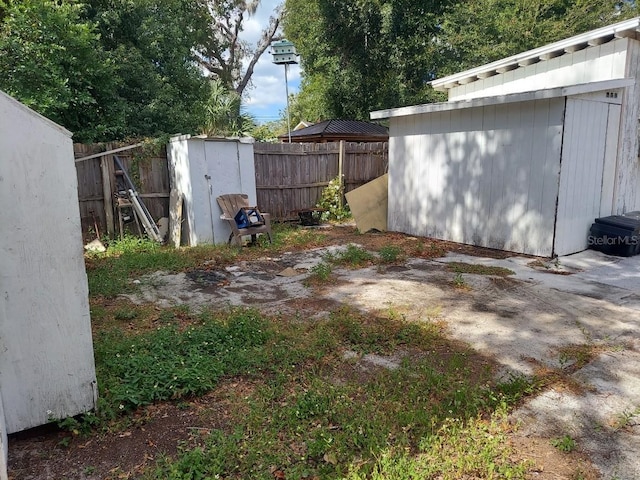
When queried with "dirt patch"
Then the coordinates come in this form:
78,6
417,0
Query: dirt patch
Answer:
550,463
156,430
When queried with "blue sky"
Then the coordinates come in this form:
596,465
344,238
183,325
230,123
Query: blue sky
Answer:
266,98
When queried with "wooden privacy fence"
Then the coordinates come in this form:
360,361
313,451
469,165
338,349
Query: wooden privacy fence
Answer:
291,176
145,164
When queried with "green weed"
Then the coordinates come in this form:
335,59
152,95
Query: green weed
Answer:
565,444
319,428
476,269
110,273
457,449
125,314
288,236
459,281
170,364
321,272
310,412
390,254
332,200
353,256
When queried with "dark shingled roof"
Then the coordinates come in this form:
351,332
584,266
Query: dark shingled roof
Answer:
340,130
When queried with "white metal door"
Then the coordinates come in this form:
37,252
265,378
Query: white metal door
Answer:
586,172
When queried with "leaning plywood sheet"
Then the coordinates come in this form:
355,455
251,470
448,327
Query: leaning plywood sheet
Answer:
175,217
368,204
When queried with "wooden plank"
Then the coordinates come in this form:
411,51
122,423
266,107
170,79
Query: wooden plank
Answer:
106,167
175,218
95,198
294,187
155,195
108,152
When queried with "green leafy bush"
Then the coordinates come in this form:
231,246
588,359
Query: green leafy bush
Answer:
332,200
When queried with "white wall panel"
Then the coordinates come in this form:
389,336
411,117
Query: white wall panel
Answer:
610,160
597,63
46,350
583,154
476,166
627,182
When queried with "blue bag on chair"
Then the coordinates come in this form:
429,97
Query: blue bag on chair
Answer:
249,217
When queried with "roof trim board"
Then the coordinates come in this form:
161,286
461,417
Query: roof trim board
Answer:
627,28
579,89
35,114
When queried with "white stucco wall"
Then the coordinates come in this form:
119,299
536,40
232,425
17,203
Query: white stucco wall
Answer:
203,169
46,351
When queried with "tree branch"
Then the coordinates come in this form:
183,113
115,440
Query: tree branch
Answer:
267,36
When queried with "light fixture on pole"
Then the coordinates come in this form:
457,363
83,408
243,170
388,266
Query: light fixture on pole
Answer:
284,53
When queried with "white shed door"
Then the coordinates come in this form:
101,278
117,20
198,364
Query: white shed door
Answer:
586,171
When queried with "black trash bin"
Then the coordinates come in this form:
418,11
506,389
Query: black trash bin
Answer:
616,234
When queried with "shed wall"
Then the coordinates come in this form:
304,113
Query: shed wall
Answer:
602,62
486,176
46,350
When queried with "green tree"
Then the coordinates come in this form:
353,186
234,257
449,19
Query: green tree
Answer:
373,54
112,69
268,132
224,115
366,55
151,44
51,60
480,31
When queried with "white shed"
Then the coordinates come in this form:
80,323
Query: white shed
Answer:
46,351
203,168
527,151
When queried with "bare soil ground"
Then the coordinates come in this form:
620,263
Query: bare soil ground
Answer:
518,322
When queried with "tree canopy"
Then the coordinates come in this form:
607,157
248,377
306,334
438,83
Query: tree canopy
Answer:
52,60
111,69
374,54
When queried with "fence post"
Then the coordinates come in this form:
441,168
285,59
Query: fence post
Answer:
107,193
341,155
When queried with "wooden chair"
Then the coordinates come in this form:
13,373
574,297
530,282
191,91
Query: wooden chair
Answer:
230,205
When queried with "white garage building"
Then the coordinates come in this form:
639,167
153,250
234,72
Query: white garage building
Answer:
527,151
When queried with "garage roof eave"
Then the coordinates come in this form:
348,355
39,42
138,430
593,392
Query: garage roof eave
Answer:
627,28
579,89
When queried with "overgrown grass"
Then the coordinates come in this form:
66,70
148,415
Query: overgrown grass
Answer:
169,363
110,273
312,413
391,254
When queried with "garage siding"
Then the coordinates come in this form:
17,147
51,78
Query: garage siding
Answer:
592,64
486,176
